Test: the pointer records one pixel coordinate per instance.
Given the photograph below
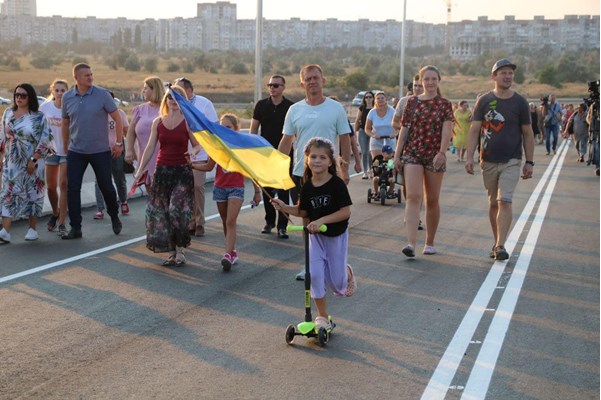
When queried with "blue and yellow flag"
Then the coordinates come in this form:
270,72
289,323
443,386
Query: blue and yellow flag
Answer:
250,155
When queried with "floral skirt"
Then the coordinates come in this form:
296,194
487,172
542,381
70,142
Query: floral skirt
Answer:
169,208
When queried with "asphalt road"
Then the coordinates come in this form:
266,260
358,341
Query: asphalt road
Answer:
99,318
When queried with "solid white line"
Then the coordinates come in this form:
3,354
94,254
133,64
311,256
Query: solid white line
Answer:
85,255
442,377
481,374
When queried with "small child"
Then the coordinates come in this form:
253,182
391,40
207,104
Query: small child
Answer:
382,170
324,199
228,192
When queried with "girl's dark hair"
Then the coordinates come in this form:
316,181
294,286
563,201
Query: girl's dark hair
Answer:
319,142
373,98
32,97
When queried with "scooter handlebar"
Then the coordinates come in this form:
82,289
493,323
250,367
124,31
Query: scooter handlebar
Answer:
300,228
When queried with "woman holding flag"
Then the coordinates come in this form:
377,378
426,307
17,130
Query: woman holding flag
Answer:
170,198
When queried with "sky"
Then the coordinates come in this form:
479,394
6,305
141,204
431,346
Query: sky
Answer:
431,11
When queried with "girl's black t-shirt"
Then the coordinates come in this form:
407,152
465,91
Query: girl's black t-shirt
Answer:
325,200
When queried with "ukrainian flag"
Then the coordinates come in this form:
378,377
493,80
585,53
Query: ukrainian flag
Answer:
250,155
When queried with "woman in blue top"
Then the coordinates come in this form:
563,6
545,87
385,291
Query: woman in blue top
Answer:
379,126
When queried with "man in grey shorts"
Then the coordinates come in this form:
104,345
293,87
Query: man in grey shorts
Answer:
502,120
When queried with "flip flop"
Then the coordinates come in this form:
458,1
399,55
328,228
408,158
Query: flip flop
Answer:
170,262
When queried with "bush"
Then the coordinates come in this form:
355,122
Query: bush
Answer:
42,62
172,67
151,64
132,63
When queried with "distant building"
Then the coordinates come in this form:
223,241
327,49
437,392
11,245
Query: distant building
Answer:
19,7
216,27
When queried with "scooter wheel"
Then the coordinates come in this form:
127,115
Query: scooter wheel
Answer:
398,195
323,336
290,333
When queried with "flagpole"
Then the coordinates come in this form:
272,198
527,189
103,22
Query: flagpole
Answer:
402,69
258,52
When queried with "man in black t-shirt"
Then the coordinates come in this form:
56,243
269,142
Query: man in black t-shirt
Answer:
269,114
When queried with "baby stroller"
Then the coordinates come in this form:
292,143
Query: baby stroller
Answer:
384,172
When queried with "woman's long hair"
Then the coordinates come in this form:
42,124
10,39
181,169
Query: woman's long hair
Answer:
319,142
423,71
32,98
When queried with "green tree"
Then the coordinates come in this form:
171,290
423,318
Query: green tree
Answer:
151,64
132,63
549,75
357,80
138,37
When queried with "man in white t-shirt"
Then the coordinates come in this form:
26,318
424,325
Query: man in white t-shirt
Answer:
204,105
314,116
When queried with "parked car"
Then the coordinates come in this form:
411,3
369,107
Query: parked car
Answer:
120,102
41,100
4,101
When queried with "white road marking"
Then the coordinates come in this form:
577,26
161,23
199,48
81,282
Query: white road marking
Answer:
84,255
481,374
441,379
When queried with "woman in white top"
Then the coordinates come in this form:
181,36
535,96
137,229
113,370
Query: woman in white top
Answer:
56,164
379,126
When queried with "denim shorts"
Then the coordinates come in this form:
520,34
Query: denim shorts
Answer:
223,194
55,159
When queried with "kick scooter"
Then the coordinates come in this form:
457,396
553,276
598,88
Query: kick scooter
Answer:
307,327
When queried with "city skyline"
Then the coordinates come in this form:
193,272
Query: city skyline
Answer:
430,11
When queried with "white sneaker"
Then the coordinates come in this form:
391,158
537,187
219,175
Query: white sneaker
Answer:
32,234
4,236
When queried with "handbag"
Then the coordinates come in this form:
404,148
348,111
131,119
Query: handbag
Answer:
401,175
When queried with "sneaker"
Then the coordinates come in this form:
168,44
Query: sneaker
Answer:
62,230
99,214
492,251
116,223
267,228
31,235
226,262
420,226
124,208
234,256
301,275
429,250
409,251
282,233
323,322
52,222
351,285
501,254
4,236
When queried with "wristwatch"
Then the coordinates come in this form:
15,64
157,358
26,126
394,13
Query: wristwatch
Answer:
32,158
530,162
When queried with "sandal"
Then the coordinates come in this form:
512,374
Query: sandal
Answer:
180,258
169,262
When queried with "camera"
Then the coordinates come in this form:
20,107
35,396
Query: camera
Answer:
593,90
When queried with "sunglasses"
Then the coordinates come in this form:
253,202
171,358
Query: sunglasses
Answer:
19,95
369,97
274,85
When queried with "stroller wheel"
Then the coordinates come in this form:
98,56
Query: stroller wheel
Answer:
369,195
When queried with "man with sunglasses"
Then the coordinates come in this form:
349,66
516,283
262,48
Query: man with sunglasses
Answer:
269,114
85,132
205,106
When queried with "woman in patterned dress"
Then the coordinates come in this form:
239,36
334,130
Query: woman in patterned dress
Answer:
170,197
25,140
427,125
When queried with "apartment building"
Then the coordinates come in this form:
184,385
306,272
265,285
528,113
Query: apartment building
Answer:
216,27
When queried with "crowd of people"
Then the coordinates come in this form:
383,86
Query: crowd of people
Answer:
52,144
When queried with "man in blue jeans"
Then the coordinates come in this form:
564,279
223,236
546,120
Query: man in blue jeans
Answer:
552,114
85,138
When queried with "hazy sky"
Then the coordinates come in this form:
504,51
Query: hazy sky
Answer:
433,11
